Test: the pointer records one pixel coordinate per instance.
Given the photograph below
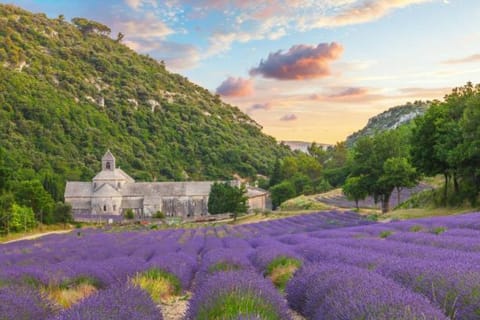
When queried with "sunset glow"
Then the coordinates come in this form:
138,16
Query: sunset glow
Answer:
303,69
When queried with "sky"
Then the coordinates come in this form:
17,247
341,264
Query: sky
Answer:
308,70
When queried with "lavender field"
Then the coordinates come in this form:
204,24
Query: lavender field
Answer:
327,265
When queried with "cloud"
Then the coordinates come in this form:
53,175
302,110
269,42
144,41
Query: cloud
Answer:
350,95
470,59
364,12
242,21
259,106
148,34
176,55
136,4
146,27
299,62
253,20
424,93
236,87
289,117
133,3
349,92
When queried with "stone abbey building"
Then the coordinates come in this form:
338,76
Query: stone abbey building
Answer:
112,192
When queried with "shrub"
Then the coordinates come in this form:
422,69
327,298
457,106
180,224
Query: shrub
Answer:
282,192
159,215
129,214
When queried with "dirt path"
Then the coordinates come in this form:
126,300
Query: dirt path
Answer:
38,235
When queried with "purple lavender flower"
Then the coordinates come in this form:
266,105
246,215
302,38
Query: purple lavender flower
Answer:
336,291
116,303
181,265
23,303
230,295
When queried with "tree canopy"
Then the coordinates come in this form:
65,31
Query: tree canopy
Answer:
225,198
446,140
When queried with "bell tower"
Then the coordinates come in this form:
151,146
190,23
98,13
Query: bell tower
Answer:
108,161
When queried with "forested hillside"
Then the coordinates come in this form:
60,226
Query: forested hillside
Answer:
68,91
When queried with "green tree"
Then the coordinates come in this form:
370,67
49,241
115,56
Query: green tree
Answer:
469,150
289,167
309,166
89,26
369,156
120,37
318,153
225,198
339,155
443,140
7,200
22,218
276,175
31,193
63,213
282,192
399,173
354,189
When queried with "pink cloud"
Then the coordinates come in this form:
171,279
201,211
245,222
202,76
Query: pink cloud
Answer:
425,93
364,12
259,106
289,117
348,94
146,27
236,87
299,62
469,59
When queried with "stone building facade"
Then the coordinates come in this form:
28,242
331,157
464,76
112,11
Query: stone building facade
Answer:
112,192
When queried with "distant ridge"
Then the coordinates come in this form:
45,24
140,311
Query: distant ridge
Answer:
390,119
304,145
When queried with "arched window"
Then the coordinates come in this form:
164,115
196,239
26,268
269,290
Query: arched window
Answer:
104,207
118,185
107,165
114,208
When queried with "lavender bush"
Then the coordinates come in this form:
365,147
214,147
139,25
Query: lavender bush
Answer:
23,303
419,269
116,303
234,295
336,291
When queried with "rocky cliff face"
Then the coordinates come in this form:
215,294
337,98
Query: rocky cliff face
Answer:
390,119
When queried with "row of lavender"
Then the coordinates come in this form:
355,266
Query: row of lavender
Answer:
352,269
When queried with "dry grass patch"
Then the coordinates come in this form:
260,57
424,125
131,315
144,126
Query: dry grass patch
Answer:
281,270
68,294
161,285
